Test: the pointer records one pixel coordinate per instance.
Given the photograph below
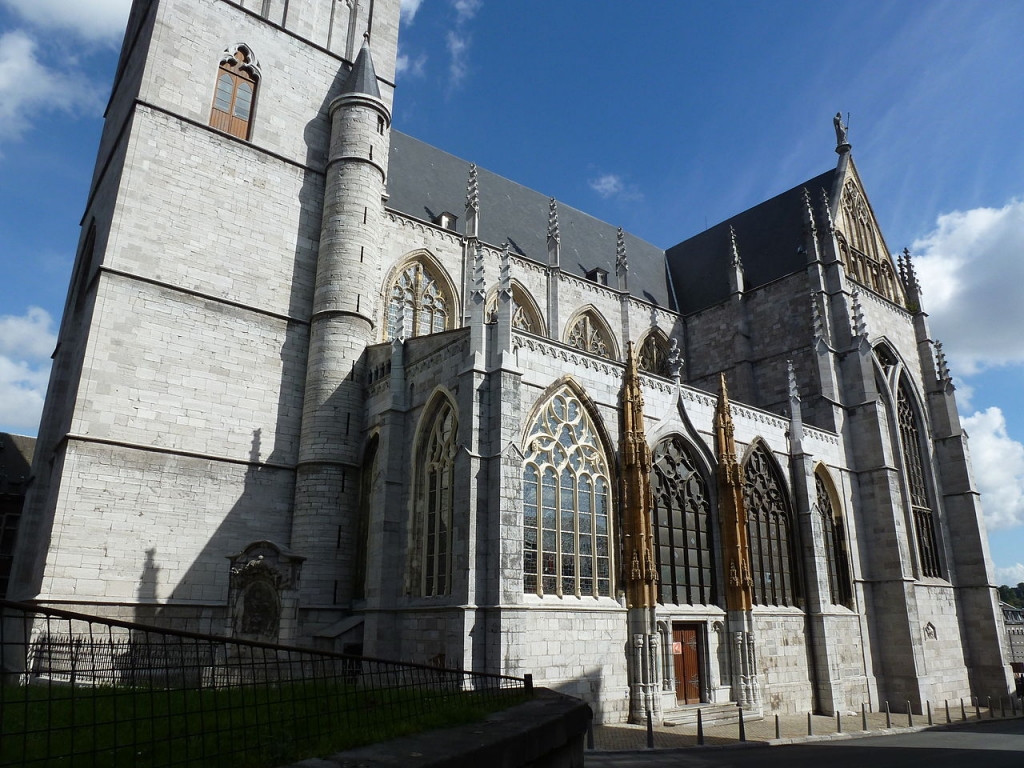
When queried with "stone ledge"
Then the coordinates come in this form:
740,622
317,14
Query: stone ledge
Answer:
547,732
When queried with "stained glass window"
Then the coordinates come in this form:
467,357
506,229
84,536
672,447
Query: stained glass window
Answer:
419,301
769,532
913,463
435,500
836,558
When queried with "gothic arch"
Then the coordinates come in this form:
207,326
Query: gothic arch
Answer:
652,352
433,496
683,521
419,283
526,314
771,529
569,541
588,331
836,544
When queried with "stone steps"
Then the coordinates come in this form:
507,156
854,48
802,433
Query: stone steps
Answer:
711,714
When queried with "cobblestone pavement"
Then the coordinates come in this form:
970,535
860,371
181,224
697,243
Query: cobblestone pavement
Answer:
613,738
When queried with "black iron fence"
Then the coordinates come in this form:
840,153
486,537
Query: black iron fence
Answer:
81,690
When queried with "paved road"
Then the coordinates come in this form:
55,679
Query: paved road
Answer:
998,744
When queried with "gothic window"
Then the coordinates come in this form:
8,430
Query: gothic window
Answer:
865,261
369,469
682,527
235,94
913,463
566,503
524,313
769,532
419,301
588,334
834,535
435,499
653,355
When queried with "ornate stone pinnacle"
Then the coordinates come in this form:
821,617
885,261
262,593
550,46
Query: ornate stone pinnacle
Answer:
816,320
942,368
734,249
473,190
553,221
621,265
860,327
910,281
675,359
505,272
826,206
812,226
901,268
479,285
794,390
400,323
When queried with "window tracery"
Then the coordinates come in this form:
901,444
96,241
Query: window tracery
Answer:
235,95
769,532
524,316
419,302
836,557
587,334
653,355
566,503
861,255
682,527
913,462
436,500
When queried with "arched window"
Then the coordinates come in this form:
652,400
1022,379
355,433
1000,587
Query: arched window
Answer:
418,300
653,355
589,334
913,463
235,95
566,503
525,316
769,531
435,498
366,475
834,534
682,527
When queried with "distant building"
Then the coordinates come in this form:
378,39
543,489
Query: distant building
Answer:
15,467
1013,619
297,398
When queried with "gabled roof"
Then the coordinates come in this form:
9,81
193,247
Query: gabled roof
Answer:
768,237
424,181
362,78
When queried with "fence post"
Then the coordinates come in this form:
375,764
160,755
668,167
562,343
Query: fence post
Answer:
863,716
700,728
743,730
528,681
810,725
888,716
778,727
930,722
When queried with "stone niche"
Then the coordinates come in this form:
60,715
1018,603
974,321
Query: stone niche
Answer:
263,593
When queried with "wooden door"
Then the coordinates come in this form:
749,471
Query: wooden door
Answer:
686,658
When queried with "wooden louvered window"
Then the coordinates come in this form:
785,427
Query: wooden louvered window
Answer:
235,96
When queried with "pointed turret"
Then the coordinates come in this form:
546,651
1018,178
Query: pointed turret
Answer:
362,79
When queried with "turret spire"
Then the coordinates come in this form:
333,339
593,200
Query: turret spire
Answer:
362,78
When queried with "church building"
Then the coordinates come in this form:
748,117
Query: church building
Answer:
320,383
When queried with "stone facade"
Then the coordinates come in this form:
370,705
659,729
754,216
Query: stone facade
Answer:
289,403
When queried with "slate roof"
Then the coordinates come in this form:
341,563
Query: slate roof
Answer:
424,181
767,238
15,462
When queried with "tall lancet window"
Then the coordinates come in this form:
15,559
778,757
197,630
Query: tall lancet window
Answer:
682,527
420,301
435,498
590,335
913,462
653,356
834,534
566,503
769,531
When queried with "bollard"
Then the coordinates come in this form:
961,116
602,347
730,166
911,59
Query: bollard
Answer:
743,731
888,716
650,731
810,725
528,683
700,728
590,734
930,721
1002,707
977,708
778,728
910,716
863,716
963,712
948,719
839,721
1013,705
991,712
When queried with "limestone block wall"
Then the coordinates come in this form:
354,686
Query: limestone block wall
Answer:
937,629
782,660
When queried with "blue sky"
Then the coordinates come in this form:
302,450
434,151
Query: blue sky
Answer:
661,117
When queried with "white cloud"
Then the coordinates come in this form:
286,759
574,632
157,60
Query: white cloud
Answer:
408,10
457,41
971,269
1011,576
95,20
414,67
466,9
609,185
25,346
28,88
998,462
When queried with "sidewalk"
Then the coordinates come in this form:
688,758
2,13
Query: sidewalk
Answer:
792,728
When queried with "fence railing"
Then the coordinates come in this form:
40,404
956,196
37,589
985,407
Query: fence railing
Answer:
81,690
